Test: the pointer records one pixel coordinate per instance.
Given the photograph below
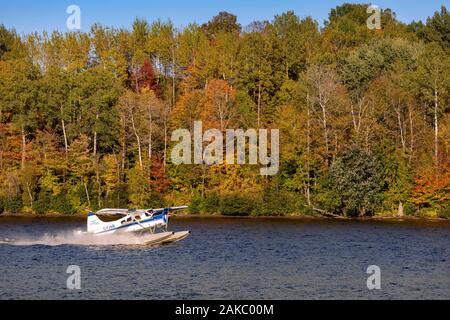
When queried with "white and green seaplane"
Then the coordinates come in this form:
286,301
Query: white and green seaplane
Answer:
152,224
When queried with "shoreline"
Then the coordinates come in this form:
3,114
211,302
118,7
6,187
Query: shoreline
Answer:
217,216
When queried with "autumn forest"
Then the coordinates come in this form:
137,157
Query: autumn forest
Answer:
86,118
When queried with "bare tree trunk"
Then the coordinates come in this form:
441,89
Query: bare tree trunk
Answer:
165,143
259,104
411,133
436,128
173,76
325,129
24,144
325,84
29,193
63,124
138,140
150,142
354,118
308,154
357,120
99,189
400,126
95,144
150,137
87,193
95,137
124,157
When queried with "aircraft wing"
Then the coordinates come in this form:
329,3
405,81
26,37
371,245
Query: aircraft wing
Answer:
125,212
113,212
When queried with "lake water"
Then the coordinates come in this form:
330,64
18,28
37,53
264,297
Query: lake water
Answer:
231,259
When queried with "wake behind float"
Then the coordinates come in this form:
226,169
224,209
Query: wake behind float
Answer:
152,224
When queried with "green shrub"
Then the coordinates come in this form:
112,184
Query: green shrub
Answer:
208,205
2,204
196,205
236,205
13,204
277,203
118,198
61,204
155,201
444,212
328,199
426,213
211,203
410,209
42,204
354,184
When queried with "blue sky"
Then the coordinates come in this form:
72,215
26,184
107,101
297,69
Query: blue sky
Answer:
37,15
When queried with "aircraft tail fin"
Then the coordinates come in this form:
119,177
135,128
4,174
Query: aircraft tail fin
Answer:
94,224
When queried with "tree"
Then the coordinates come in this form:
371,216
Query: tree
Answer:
219,106
109,47
97,94
346,28
18,90
7,39
163,47
260,74
294,35
81,165
433,78
223,22
437,29
355,180
139,50
86,117
141,116
57,86
326,96
191,54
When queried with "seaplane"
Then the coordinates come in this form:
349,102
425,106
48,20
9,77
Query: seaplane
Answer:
152,224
